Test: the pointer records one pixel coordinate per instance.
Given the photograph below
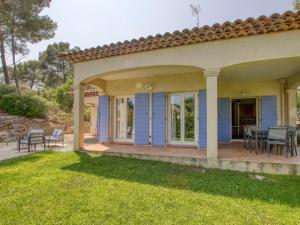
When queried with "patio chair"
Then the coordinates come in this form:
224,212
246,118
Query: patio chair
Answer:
277,136
292,131
248,137
34,137
56,136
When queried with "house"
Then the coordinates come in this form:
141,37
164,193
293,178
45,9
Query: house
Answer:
194,87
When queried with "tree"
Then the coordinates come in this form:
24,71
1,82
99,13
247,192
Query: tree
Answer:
3,36
297,4
55,70
29,73
20,23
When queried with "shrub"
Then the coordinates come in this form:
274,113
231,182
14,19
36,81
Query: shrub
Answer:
23,105
7,89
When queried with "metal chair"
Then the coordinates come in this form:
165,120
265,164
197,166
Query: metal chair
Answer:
277,136
57,136
34,137
248,137
292,131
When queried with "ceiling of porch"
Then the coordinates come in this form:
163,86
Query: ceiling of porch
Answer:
150,72
262,70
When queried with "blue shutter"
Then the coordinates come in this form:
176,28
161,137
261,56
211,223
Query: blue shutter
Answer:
98,122
268,111
224,122
158,118
202,139
142,119
103,131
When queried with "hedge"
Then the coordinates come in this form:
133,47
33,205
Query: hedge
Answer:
23,105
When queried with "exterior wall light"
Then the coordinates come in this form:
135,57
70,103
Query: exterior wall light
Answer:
148,87
245,92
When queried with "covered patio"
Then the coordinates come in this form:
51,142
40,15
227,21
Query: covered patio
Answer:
151,86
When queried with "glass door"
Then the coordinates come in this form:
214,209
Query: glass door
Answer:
124,119
182,123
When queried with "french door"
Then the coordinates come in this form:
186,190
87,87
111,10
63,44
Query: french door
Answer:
182,118
124,119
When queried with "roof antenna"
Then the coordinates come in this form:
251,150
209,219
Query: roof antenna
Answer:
196,9
297,5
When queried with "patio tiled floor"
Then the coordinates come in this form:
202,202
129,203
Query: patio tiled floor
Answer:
234,151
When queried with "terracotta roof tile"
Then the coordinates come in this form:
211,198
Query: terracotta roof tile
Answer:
239,28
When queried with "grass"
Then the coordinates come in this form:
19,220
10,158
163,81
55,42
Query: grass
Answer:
79,188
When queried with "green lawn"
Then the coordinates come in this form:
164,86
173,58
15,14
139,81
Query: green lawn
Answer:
79,188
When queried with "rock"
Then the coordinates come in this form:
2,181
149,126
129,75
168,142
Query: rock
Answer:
198,170
257,177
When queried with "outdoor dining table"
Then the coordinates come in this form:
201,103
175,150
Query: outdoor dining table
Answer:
259,133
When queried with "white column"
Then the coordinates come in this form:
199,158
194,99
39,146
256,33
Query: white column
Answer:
292,107
282,98
78,120
211,76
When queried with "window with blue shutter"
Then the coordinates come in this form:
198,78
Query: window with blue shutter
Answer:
158,118
224,120
142,119
202,139
104,111
268,111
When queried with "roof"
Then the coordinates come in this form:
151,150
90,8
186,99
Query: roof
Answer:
228,30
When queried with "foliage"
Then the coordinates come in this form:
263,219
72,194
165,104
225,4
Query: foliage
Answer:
21,23
7,89
29,73
189,117
23,105
296,4
87,113
55,70
62,95
79,188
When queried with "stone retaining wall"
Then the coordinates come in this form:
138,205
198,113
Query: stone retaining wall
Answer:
16,126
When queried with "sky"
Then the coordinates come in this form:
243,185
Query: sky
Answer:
89,23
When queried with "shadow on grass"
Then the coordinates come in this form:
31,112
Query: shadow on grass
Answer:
276,189
23,159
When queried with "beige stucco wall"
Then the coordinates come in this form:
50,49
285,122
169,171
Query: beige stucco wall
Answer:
193,82
163,83
253,87
293,81
216,54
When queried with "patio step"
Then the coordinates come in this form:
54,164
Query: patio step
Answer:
224,164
